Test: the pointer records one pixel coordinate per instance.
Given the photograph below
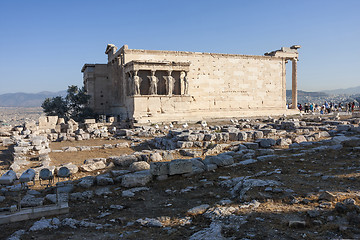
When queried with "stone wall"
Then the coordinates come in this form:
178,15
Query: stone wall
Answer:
98,85
229,85
219,85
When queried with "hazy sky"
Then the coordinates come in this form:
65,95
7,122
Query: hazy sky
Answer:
44,44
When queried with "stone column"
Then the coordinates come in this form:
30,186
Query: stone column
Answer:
283,83
294,83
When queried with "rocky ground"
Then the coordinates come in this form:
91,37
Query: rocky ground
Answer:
247,190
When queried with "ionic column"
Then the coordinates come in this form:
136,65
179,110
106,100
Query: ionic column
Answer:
283,83
294,83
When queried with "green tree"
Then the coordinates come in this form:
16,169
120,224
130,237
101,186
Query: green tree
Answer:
74,105
55,106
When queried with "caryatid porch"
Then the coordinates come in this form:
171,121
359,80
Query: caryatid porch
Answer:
145,78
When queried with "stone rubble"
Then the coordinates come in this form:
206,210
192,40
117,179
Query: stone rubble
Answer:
213,147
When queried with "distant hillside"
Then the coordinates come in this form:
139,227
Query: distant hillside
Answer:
27,99
353,90
308,94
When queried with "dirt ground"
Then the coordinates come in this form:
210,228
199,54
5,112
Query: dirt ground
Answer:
304,175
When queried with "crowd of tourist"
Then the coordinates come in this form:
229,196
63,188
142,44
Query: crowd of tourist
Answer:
327,107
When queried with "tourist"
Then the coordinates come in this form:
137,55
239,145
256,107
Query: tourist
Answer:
306,108
311,107
326,106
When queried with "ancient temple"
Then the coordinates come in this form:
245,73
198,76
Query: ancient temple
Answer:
162,86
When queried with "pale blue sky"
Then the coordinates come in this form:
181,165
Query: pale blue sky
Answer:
44,44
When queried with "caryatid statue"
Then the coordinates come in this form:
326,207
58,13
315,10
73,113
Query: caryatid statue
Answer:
136,81
153,83
170,81
184,83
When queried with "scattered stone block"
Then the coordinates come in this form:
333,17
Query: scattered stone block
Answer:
198,210
93,166
81,196
258,135
297,224
180,166
266,158
123,160
103,180
137,179
267,142
220,160
31,201
86,182
116,173
299,139
149,222
131,192
191,152
184,144
63,197
283,141
139,166
69,149
159,168
209,137
103,191
198,163
122,145
251,145
247,161
65,187
216,149
155,157
233,136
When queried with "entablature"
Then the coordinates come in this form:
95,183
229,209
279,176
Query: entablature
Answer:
157,66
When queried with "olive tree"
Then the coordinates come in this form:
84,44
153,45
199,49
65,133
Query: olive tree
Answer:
74,105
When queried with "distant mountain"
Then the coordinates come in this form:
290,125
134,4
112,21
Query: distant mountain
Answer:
308,94
353,90
27,99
